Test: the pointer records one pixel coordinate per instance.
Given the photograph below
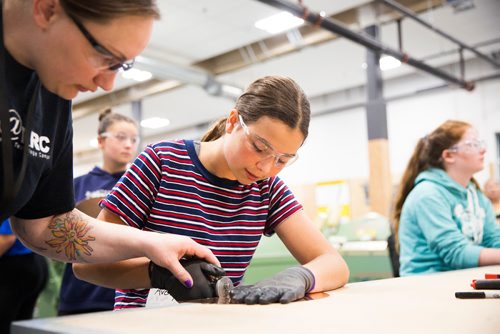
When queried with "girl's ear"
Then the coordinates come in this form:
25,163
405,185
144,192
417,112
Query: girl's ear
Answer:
100,141
448,156
232,120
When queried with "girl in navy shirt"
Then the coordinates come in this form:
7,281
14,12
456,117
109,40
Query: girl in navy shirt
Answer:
118,138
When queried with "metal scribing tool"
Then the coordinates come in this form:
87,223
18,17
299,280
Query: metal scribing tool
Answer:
223,288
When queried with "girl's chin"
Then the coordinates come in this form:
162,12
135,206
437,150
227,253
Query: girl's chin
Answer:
249,176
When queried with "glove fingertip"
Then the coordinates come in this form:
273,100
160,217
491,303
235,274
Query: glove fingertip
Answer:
288,297
252,299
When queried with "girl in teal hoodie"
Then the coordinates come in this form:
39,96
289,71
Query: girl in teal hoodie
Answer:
442,219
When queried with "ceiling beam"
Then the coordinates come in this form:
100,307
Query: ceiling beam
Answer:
408,13
280,45
340,29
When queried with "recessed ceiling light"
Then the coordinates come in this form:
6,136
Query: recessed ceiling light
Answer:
388,63
155,122
137,75
279,22
385,63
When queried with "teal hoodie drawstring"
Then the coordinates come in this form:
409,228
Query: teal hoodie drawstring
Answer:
473,219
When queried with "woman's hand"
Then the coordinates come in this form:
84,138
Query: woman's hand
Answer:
166,250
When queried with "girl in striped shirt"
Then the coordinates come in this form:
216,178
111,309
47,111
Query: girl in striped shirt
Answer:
224,193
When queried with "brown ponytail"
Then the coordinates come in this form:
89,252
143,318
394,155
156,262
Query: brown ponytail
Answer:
215,131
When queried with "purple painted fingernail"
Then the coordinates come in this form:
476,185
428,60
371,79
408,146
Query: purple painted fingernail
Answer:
188,283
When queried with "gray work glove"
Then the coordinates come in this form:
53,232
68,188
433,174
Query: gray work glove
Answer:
205,275
284,287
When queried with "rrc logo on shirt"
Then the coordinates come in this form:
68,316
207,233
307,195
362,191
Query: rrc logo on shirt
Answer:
39,145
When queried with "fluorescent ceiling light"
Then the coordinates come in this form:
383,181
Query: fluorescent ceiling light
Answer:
137,75
155,122
279,22
386,63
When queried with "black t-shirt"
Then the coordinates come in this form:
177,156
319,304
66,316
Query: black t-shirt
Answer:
47,188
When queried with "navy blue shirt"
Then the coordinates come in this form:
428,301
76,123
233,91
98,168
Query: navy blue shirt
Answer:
17,248
77,296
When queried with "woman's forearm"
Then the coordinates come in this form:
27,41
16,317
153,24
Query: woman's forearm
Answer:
127,274
76,237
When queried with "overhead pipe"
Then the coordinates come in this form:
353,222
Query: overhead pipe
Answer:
168,71
450,52
338,28
167,75
397,97
407,12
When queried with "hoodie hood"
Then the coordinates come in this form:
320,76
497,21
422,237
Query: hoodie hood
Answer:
439,176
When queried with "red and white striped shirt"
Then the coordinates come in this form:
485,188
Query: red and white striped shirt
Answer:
168,190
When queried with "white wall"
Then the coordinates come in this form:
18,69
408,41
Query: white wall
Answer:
337,148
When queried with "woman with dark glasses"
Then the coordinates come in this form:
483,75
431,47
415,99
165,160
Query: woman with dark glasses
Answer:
51,50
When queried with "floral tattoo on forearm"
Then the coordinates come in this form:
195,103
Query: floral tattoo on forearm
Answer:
71,234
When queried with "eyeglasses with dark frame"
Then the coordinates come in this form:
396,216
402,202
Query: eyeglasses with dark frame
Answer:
120,63
264,150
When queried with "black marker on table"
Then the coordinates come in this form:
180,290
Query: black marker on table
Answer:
477,294
486,284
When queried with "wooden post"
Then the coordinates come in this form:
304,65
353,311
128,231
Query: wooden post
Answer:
380,185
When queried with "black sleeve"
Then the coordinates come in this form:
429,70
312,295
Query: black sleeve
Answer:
54,193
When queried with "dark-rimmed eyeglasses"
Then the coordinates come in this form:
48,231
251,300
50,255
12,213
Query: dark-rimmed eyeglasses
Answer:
264,150
114,63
